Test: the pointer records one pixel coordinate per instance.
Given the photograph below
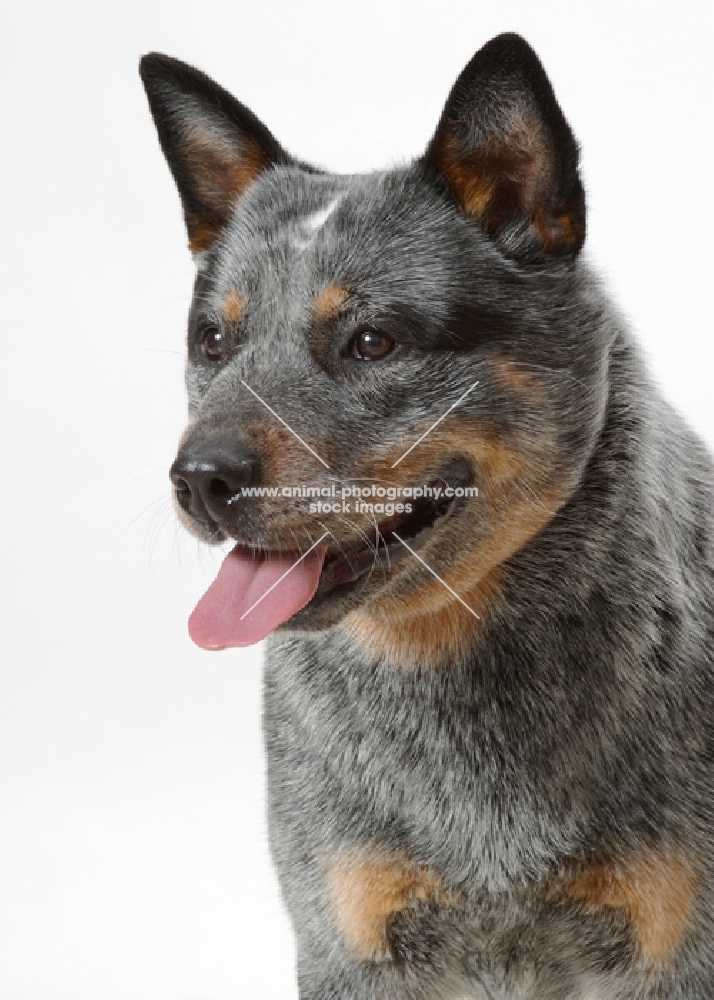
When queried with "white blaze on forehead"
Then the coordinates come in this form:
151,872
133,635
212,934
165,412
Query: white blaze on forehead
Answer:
318,219
314,222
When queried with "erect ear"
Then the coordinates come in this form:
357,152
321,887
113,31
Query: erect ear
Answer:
508,155
214,146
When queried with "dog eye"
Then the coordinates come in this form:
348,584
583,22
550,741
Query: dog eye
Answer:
370,345
213,343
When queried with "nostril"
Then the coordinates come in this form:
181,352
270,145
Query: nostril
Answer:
182,490
181,486
220,490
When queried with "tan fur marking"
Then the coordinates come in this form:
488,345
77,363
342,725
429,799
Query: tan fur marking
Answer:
327,304
562,230
202,237
282,463
366,890
473,188
221,177
233,307
510,173
505,174
426,637
427,625
656,891
513,376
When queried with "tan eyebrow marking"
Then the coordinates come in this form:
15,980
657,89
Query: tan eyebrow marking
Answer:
233,307
327,303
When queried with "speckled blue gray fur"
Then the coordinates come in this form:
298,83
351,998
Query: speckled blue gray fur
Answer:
573,729
581,724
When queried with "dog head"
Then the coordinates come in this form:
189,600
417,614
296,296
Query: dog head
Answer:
425,331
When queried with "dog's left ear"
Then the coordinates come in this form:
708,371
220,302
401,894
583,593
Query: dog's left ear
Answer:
215,147
508,155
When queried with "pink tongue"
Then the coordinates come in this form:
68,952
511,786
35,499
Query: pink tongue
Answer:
218,620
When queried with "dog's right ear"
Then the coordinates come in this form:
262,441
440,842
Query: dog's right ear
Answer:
508,156
213,144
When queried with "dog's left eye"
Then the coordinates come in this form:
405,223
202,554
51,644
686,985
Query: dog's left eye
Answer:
370,345
213,343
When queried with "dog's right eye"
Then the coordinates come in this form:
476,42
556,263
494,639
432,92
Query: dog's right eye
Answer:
370,345
213,343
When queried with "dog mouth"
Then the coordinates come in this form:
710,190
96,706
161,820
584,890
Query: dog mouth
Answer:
256,592
385,544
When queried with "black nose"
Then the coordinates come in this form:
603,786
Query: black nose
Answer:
207,479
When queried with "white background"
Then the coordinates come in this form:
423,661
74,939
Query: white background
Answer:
132,839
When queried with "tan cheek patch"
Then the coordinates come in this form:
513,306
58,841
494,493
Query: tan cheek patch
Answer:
367,890
429,625
513,377
284,462
233,307
656,891
428,637
327,304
